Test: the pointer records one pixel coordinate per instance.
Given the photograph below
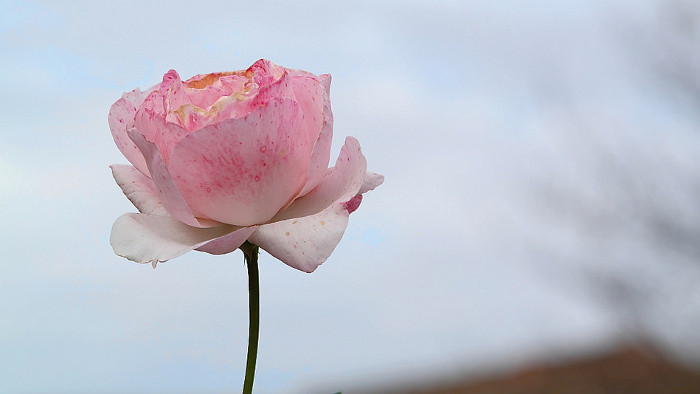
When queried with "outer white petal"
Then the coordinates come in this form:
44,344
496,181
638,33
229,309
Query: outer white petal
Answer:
371,181
145,238
307,242
138,188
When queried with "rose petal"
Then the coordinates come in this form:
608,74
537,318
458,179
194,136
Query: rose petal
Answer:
121,119
174,92
155,103
138,188
155,129
181,111
145,238
168,193
322,150
245,102
206,89
309,94
279,88
304,243
205,97
352,204
242,171
370,182
265,72
169,79
341,183
229,242
325,81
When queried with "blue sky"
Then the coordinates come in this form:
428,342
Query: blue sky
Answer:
492,123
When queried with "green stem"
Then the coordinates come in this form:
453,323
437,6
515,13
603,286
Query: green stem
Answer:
250,253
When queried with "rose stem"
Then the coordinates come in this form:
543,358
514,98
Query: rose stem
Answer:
250,253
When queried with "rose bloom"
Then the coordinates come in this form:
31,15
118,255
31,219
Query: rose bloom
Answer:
227,157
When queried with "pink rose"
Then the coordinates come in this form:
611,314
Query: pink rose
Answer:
227,157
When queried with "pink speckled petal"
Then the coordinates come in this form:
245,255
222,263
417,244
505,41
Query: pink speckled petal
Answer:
370,182
138,188
239,105
205,97
155,103
265,72
181,111
228,243
309,94
304,243
168,193
169,79
121,119
242,171
341,183
155,129
206,89
325,81
174,91
279,88
145,238
321,156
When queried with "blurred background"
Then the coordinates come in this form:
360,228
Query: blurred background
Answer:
541,203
